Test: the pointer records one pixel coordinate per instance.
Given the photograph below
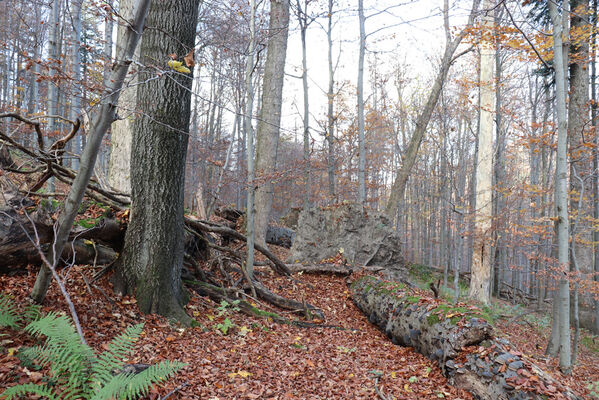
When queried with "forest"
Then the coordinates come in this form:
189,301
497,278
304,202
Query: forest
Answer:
299,199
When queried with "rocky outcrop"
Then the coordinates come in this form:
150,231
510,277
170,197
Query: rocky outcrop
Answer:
362,236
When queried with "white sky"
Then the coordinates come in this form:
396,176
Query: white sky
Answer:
417,41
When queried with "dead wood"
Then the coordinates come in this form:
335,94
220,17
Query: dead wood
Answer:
340,269
458,338
279,266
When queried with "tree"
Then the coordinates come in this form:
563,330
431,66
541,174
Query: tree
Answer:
249,132
561,190
151,263
330,132
451,45
267,135
121,131
360,88
100,125
481,257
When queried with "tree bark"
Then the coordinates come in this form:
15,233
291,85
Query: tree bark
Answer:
330,107
481,257
153,253
101,124
119,168
561,190
360,88
458,338
270,116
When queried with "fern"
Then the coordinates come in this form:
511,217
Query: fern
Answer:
16,392
129,387
79,372
69,359
120,347
9,315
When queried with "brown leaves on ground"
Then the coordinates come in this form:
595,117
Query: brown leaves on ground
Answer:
257,359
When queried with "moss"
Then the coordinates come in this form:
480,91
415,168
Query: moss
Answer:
421,273
589,343
459,312
412,299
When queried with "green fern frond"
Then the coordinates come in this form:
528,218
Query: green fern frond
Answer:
131,387
9,315
119,348
78,372
31,313
70,360
16,392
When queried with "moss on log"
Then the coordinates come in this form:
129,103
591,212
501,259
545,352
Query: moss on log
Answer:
460,338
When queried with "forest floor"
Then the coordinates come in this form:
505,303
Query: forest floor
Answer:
260,359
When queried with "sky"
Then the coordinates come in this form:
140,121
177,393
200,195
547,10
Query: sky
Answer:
409,33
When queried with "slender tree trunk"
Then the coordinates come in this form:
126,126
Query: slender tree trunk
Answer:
151,263
409,159
99,127
595,184
76,62
303,20
330,107
270,115
561,191
481,257
249,136
119,166
360,88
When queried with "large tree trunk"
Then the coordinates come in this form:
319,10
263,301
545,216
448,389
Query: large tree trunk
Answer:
481,257
267,135
458,338
153,254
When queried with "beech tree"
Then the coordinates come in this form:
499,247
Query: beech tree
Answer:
267,134
152,259
481,257
562,298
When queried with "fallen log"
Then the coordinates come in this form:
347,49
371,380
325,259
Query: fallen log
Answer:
330,268
275,235
459,338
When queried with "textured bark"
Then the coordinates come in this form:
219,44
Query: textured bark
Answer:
249,131
453,336
153,257
595,181
481,257
119,169
76,66
267,135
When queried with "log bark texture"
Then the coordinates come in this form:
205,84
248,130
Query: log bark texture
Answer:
459,339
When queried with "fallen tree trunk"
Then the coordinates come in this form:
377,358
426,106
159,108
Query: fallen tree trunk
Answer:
332,268
275,235
458,338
